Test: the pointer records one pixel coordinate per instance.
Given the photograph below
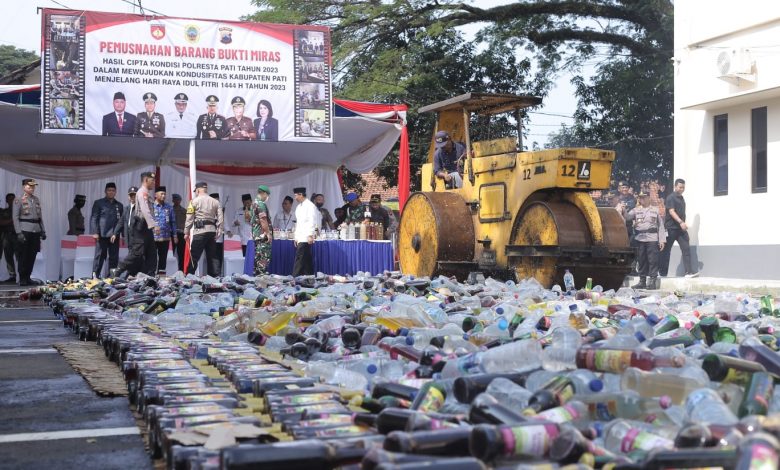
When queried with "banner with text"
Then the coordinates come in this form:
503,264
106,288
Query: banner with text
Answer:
133,75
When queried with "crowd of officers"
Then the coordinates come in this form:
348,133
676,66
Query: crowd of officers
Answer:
150,225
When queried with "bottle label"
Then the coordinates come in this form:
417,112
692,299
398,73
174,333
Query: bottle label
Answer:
336,419
609,360
433,400
531,441
763,457
604,411
468,364
636,439
341,431
559,414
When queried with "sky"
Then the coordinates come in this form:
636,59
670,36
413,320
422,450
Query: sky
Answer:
20,27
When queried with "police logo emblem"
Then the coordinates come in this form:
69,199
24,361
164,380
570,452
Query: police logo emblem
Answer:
157,30
225,35
192,33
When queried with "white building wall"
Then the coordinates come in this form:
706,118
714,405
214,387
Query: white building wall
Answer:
737,234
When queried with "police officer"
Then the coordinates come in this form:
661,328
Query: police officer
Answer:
204,218
240,126
75,217
262,231
650,236
150,123
28,222
105,224
142,252
181,123
211,126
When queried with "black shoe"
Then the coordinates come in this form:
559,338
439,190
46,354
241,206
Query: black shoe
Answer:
10,280
652,283
640,285
24,283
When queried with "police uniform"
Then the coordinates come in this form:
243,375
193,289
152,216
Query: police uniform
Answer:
180,124
204,218
150,123
75,217
649,233
262,232
211,122
28,222
236,127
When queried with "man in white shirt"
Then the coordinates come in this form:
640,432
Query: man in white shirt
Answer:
306,219
284,220
180,123
241,222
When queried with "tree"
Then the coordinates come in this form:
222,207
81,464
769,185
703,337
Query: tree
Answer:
371,37
12,58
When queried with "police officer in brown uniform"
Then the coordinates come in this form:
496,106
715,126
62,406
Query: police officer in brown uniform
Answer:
205,219
650,236
211,126
150,123
28,223
240,126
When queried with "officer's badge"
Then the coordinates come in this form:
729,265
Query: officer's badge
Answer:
157,30
225,35
218,123
192,33
190,209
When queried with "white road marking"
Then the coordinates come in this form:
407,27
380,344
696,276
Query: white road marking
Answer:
28,351
74,434
30,321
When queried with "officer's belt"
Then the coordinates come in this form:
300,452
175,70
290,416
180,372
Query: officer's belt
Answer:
650,230
32,221
207,221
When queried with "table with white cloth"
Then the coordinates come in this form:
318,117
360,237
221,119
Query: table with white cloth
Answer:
344,257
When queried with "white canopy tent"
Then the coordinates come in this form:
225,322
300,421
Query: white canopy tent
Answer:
66,165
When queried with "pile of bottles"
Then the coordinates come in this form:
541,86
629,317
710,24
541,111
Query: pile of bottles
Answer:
397,372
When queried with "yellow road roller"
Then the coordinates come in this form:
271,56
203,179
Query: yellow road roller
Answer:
518,214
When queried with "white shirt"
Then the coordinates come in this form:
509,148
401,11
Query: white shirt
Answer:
180,126
283,221
305,221
244,227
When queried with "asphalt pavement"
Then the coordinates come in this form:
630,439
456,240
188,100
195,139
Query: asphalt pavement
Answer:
51,418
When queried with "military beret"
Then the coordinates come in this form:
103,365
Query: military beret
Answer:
264,189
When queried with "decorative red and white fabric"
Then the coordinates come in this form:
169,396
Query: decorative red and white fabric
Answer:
85,255
67,255
234,258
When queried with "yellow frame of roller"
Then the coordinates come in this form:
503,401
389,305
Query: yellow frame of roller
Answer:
518,214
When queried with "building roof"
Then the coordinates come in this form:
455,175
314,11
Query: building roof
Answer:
377,185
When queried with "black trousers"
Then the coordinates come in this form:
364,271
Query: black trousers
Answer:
220,256
8,246
681,237
243,250
648,254
141,253
200,243
162,255
104,248
179,248
25,254
304,264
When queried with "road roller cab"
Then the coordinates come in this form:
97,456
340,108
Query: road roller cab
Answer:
518,214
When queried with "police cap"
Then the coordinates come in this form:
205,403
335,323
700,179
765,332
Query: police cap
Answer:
238,101
150,97
212,99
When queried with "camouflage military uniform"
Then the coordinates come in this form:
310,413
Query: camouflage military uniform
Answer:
262,234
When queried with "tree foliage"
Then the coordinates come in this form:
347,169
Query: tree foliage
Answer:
410,51
12,58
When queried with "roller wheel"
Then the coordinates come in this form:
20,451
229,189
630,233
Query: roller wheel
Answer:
434,228
554,224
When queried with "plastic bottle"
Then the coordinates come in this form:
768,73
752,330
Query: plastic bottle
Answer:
568,281
562,353
620,436
517,356
528,440
508,393
650,384
705,405
752,349
617,360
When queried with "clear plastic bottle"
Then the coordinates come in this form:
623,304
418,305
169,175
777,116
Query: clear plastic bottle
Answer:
705,405
518,356
508,393
651,384
626,405
568,281
621,436
561,354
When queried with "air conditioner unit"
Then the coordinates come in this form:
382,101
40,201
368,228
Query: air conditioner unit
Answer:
736,64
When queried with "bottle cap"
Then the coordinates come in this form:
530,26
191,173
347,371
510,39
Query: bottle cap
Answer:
410,340
596,385
665,401
372,369
500,310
